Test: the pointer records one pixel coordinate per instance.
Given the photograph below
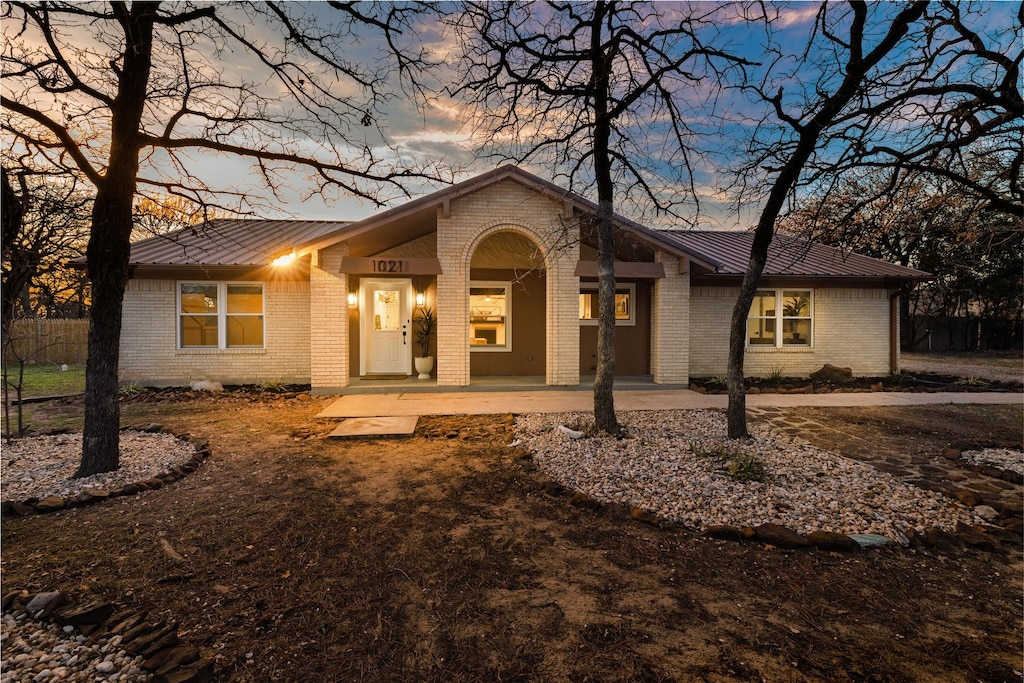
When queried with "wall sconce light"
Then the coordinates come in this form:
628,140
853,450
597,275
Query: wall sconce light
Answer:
283,259
352,299
421,298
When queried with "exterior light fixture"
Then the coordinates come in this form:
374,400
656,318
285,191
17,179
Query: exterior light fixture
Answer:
284,259
421,298
351,299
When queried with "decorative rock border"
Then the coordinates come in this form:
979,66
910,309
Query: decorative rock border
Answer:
36,506
986,537
162,654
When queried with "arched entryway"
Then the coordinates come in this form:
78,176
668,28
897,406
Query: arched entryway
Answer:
507,307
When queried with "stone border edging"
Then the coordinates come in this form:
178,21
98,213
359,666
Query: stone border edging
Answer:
166,658
989,538
35,506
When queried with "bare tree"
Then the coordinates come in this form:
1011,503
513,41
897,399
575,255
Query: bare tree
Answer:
890,86
130,96
930,223
52,229
602,94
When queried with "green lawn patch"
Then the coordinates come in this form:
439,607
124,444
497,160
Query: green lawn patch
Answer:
48,380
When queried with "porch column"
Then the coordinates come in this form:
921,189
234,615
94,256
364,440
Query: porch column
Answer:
563,318
670,324
328,320
452,366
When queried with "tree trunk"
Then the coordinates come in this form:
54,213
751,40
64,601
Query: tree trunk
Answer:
807,141
604,379
12,214
110,245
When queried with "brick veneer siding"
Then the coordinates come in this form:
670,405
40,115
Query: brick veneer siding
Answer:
506,206
328,333
851,329
150,357
670,324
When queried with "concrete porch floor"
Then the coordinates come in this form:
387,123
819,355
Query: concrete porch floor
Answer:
412,385
494,400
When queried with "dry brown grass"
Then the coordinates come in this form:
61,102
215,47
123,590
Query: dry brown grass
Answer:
440,558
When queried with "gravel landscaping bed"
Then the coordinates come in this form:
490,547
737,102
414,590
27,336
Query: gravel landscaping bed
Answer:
680,466
1004,458
42,466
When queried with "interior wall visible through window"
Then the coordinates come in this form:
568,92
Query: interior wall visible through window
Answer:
625,304
220,315
781,318
490,316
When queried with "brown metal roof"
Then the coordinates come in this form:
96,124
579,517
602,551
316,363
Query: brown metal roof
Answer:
255,242
788,256
229,242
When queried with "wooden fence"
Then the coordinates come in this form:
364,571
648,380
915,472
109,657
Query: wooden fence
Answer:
48,340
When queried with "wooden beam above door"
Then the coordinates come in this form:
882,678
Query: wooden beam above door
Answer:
389,265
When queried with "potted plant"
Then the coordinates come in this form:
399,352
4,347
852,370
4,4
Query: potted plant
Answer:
423,329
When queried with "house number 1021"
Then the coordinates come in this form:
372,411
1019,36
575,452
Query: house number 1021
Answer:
388,266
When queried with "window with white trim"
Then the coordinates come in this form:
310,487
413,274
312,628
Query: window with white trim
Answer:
490,316
625,304
781,318
220,315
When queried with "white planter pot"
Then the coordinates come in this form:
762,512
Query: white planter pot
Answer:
424,366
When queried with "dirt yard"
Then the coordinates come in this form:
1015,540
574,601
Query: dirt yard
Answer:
441,558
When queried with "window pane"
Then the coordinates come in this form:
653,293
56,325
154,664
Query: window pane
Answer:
488,316
387,314
763,305
198,298
198,330
761,321
796,304
796,332
588,306
761,331
245,299
245,330
622,305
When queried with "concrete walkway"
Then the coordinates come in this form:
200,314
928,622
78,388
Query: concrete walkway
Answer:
556,401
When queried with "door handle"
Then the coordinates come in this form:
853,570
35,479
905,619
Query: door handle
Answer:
403,335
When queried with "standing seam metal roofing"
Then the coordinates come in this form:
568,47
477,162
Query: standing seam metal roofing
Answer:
787,256
230,242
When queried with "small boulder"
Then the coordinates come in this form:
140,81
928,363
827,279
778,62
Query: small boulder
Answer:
833,373
206,385
43,604
87,612
986,512
51,504
779,536
645,516
967,497
976,538
584,502
830,540
939,539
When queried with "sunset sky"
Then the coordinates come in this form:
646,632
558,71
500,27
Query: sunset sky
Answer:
444,132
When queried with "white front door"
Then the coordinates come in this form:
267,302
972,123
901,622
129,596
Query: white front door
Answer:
386,347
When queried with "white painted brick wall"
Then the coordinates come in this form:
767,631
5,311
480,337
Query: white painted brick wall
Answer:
851,329
149,353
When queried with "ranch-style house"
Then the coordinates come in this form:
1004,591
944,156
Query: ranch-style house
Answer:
506,262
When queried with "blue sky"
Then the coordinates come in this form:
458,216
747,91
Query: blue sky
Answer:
442,131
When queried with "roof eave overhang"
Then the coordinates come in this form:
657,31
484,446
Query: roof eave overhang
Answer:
886,281
297,270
